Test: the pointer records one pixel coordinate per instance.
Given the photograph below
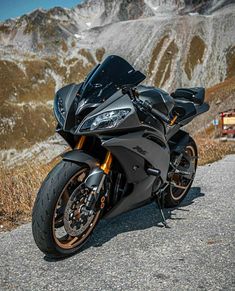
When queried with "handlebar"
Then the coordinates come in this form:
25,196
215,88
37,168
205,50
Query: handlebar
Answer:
156,113
146,105
161,115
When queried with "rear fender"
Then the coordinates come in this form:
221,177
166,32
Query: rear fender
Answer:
199,110
202,108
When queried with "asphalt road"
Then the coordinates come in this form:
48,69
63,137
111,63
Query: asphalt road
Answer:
132,252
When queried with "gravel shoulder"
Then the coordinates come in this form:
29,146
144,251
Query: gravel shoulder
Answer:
132,252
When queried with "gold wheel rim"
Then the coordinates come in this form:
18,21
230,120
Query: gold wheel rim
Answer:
191,150
69,242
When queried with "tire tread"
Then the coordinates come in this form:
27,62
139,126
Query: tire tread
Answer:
45,202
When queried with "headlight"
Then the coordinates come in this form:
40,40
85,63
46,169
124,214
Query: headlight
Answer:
60,105
107,119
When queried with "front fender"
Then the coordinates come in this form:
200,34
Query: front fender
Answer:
79,157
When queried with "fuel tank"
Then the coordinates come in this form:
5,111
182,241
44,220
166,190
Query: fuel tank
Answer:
160,99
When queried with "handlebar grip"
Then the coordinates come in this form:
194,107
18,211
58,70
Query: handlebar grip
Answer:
157,113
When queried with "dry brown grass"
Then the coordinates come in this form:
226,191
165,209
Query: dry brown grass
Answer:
35,82
195,55
87,54
221,97
164,68
18,188
26,125
221,91
100,54
155,54
24,86
230,61
18,122
211,150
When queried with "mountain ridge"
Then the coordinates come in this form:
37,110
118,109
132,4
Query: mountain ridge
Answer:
174,45
151,7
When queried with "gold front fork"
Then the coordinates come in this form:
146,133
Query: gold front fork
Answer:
107,163
81,142
108,158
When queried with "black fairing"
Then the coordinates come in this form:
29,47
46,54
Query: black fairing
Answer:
75,101
64,99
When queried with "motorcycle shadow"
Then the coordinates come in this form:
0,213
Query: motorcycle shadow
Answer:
138,219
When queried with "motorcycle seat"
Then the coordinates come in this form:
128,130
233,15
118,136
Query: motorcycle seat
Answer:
195,95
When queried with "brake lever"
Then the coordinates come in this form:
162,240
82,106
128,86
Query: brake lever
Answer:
143,105
147,106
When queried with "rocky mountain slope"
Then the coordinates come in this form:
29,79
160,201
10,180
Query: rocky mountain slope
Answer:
174,42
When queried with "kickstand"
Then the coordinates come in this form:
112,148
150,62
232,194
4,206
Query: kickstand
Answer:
160,203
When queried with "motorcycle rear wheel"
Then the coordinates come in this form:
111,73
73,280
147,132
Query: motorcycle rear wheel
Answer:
174,195
48,213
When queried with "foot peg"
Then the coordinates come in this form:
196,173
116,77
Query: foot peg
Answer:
153,172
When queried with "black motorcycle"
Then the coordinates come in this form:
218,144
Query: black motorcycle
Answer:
128,149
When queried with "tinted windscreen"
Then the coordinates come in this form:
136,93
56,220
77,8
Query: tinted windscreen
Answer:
107,78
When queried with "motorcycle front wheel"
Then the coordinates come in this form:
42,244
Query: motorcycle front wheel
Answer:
50,212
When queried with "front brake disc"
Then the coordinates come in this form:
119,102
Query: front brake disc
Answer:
75,221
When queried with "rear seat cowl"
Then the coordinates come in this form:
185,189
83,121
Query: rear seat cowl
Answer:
196,94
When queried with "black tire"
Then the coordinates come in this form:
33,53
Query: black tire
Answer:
172,201
44,210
